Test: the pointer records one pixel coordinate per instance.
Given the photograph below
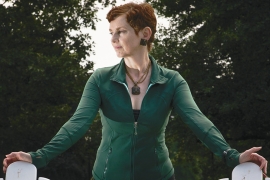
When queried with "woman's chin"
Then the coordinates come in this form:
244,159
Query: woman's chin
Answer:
119,55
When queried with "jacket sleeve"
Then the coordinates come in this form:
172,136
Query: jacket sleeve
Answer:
74,128
201,126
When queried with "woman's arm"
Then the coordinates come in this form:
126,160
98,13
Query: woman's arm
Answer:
205,130
70,132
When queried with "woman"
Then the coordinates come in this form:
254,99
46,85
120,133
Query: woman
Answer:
135,99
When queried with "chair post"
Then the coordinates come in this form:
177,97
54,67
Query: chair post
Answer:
247,171
20,170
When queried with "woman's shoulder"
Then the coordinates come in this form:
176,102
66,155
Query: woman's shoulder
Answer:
105,72
169,73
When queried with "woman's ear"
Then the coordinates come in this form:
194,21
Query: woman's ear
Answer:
146,33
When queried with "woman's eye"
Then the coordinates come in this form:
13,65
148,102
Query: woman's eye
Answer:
120,32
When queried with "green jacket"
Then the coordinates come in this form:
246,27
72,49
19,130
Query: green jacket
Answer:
130,151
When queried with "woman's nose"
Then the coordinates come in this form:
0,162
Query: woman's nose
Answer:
114,38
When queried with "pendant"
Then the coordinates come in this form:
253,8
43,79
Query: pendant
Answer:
135,90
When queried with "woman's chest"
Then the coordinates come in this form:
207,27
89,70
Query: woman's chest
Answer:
137,92
155,104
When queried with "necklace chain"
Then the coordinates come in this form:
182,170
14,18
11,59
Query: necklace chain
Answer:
136,88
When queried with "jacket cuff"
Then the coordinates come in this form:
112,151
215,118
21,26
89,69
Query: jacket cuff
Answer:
37,159
231,157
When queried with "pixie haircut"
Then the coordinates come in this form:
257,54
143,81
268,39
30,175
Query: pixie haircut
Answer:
138,16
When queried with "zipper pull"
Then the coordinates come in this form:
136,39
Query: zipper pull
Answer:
135,128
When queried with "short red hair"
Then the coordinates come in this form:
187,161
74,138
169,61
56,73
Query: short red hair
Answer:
138,16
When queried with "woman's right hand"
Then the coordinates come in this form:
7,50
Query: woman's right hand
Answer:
16,156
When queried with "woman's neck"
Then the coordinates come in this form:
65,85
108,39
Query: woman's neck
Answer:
137,65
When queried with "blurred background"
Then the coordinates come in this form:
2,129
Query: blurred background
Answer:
49,48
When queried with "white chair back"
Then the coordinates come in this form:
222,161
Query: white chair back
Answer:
20,170
247,171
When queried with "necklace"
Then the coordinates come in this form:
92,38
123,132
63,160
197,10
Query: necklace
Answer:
136,89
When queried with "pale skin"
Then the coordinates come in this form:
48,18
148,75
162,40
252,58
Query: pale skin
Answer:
127,45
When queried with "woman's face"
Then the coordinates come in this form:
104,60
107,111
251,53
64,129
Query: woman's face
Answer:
124,40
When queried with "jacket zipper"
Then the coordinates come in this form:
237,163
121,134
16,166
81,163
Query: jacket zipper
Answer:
134,134
134,137
135,128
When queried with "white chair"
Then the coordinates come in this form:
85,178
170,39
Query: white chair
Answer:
247,171
20,170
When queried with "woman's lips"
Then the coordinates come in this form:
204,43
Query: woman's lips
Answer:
117,47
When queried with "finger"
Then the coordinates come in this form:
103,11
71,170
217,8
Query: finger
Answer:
12,155
254,149
4,165
259,160
4,169
263,163
8,160
265,167
5,162
262,166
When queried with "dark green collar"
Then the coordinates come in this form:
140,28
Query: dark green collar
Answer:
156,77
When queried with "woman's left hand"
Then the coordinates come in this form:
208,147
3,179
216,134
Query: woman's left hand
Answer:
250,155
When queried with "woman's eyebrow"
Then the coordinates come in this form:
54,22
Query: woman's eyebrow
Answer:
116,28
